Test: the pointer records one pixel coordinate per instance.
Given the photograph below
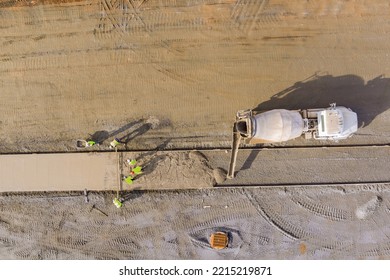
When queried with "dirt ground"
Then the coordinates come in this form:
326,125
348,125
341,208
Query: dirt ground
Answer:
74,69
290,223
171,74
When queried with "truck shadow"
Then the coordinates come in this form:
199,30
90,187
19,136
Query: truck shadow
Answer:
368,100
249,161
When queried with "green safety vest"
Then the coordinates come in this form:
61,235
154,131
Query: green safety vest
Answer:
129,180
91,143
117,203
114,143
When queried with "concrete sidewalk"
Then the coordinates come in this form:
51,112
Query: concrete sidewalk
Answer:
58,172
192,170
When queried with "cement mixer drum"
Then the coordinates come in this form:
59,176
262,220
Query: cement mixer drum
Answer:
277,125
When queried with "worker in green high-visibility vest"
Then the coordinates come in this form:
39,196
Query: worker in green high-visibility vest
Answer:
128,179
134,171
117,202
90,143
115,143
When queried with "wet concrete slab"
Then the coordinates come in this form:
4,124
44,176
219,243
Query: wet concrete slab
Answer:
54,172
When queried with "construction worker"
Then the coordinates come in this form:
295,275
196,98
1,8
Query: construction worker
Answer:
90,143
136,170
128,179
114,143
131,162
117,202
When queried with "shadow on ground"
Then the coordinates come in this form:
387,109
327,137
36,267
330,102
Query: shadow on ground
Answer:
368,100
151,159
134,133
130,195
103,135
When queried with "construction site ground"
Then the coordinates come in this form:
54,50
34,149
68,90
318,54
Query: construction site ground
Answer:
167,77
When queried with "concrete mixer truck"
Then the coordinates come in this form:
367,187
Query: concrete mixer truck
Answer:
279,125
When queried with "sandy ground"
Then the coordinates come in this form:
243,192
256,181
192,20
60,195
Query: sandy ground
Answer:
289,223
75,69
172,74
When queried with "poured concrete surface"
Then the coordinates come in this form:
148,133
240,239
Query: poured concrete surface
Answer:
53,172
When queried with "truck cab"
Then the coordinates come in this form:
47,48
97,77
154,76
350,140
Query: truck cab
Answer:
336,123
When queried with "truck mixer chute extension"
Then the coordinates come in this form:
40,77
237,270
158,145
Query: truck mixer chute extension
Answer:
279,125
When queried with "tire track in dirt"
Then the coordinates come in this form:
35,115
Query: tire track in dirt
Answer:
125,244
58,59
210,208
44,15
71,241
173,74
101,240
334,247
113,12
108,10
124,232
309,232
216,220
156,22
246,13
178,226
48,253
19,3
377,251
135,12
7,242
322,210
288,229
134,23
174,235
25,254
66,241
37,27
12,39
145,238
